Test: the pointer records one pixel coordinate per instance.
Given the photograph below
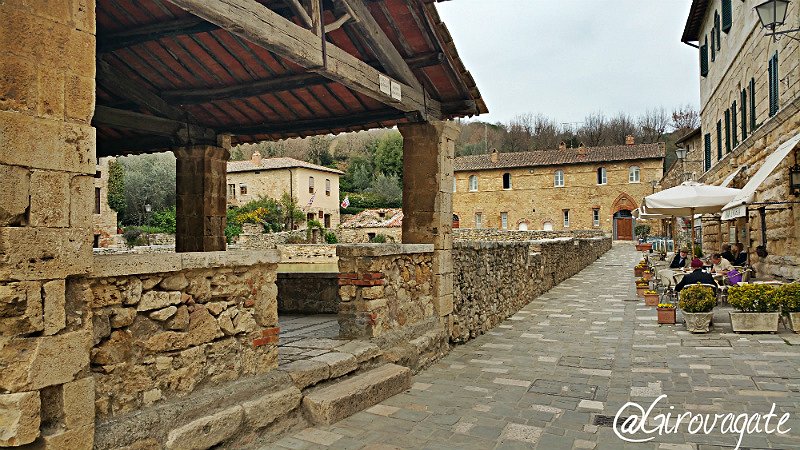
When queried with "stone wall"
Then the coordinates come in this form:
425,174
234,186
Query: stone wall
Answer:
104,219
492,234
308,293
493,280
159,327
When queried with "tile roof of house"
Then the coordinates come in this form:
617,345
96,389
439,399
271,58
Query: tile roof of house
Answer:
276,163
371,218
560,157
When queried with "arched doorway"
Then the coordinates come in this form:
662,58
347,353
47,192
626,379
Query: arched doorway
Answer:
622,217
456,221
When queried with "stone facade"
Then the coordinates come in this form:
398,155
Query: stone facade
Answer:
494,280
104,219
534,203
483,234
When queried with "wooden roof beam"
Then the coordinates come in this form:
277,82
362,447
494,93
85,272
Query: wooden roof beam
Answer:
256,23
178,131
311,126
107,43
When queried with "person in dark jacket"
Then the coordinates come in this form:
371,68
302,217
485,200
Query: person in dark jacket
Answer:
697,276
739,255
726,253
680,260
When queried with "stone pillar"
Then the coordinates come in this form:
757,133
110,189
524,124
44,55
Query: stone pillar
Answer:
200,198
47,165
428,152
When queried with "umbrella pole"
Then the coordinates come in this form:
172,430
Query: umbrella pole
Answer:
691,223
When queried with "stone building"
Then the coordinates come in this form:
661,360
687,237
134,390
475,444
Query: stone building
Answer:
749,103
564,189
366,225
104,219
316,188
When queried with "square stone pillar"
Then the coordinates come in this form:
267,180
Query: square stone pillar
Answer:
200,198
428,152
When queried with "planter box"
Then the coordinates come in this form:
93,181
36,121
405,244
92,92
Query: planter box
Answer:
666,316
640,290
747,322
698,322
793,321
647,276
651,299
643,247
638,271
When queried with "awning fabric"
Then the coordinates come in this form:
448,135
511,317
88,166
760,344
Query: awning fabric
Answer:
737,207
642,214
727,181
689,198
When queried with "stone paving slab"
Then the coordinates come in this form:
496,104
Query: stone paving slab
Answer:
544,378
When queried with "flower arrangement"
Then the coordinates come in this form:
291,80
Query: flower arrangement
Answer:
789,297
650,292
641,282
697,299
666,305
758,298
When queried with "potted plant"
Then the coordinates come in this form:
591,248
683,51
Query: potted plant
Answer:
789,299
641,286
758,305
666,313
642,231
647,275
639,269
696,303
650,297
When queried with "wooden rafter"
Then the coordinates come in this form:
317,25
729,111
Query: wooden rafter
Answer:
112,80
300,12
313,125
255,23
122,39
180,132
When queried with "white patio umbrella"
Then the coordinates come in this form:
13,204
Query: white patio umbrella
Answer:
689,198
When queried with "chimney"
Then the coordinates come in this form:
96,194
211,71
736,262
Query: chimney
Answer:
494,157
582,150
562,145
629,140
256,158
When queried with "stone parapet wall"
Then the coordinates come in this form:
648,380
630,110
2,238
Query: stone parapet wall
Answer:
362,235
492,234
493,280
163,326
318,253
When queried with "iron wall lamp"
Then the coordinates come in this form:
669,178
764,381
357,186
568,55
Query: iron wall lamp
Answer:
794,179
772,14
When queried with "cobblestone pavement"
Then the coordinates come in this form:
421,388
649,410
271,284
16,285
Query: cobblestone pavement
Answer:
543,377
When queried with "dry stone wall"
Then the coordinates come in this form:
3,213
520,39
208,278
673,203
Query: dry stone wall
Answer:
493,280
493,234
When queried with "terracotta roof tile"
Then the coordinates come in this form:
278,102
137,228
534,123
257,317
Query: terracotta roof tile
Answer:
560,157
276,163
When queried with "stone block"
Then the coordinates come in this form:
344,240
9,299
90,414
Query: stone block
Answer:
17,85
14,194
78,403
174,282
306,372
49,199
262,411
163,314
51,94
34,363
79,97
29,253
81,438
158,299
117,349
363,351
343,399
81,201
122,317
20,308
19,418
55,315
207,431
339,363
373,292
265,309
83,15
443,304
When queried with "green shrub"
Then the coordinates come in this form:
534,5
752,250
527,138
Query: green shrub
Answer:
232,231
163,221
754,298
378,239
133,236
296,240
697,299
789,297
698,251
330,238
642,230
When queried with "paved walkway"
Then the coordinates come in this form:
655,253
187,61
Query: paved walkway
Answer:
544,378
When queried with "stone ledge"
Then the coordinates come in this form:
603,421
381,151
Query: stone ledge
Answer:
306,275
355,250
125,265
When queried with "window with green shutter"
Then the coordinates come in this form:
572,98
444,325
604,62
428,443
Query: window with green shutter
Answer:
753,123
773,85
727,131
704,58
744,113
734,125
719,140
717,29
727,15
707,152
713,46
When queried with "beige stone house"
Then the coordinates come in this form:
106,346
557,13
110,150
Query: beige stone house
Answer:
564,189
749,103
316,188
104,219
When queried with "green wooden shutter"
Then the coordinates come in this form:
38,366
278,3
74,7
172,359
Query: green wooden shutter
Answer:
717,29
727,15
744,113
713,45
769,86
734,126
774,84
707,151
704,58
727,131
719,140
753,123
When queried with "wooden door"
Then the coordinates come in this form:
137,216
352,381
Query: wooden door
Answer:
624,229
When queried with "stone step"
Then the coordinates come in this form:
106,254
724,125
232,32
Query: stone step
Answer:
337,401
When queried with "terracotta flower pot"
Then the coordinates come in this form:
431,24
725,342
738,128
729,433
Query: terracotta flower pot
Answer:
666,316
651,299
638,271
647,276
640,290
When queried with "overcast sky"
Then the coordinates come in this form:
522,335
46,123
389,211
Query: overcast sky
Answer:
569,58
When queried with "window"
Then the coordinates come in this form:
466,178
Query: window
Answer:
506,181
97,200
547,226
633,174
719,140
328,187
734,126
704,58
96,241
753,123
596,217
727,16
713,46
774,101
566,218
558,180
321,214
478,220
601,176
504,220
744,113
243,189
717,29
310,185
327,220
454,184
473,183
727,131
232,190
707,152
98,174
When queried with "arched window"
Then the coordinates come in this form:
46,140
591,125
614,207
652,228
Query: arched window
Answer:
558,180
473,183
547,226
506,181
523,226
633,174
601,176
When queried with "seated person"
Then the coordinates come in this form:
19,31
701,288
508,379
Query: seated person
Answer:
697,276
680,260
739,255
721,265
726,253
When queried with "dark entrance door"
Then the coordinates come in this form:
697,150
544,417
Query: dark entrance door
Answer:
623,225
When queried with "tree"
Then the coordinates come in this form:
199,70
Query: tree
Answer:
685,118
546,134
116,188
653,124
319,150
291,215
149,180
619,127
389,155
387,188
593,131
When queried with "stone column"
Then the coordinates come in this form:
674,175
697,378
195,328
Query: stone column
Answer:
47,165
200,198
428,152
